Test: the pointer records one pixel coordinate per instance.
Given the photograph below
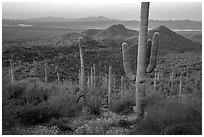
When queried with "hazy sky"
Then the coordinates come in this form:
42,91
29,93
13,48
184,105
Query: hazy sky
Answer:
127,10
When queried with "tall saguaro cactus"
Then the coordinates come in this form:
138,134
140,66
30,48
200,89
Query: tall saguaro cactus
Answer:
146,60
82,71
110,83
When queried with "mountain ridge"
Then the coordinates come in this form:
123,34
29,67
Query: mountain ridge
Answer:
102,22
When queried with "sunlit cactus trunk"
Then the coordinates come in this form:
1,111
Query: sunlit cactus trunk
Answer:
79,78
155,79
146,60
88,81
91,76
11,71
180,86
187,75
110,83
82,75
94,75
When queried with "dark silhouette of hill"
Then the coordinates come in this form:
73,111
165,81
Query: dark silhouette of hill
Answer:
173,42
114,31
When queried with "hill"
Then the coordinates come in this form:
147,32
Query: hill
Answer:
173,42
114,31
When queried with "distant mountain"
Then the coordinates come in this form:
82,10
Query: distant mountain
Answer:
101,22
115,31
173,42
85,19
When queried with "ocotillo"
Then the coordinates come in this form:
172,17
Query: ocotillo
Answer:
109,85
146,60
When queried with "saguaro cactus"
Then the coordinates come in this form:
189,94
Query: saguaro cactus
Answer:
146,60
94,75
180,86
82,75
110,85
12,71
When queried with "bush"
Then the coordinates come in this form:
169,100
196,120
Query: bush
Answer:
62,123
94,101
16,91
170,116
65,100
37,114
123,106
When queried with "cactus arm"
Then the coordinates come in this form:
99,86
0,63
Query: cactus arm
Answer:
148,51
154,49
126,63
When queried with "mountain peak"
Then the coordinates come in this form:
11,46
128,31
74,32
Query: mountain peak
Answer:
117,27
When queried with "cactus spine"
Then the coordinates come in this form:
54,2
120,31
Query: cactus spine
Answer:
109,85
146,60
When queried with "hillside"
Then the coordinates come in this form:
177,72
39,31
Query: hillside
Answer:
114,31
173,42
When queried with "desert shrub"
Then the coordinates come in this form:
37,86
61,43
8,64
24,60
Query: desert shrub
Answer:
62,123
94,101
66,100
8,121
123,106
37,114
16,91
170,116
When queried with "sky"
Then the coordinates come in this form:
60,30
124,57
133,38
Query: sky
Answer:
125,9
